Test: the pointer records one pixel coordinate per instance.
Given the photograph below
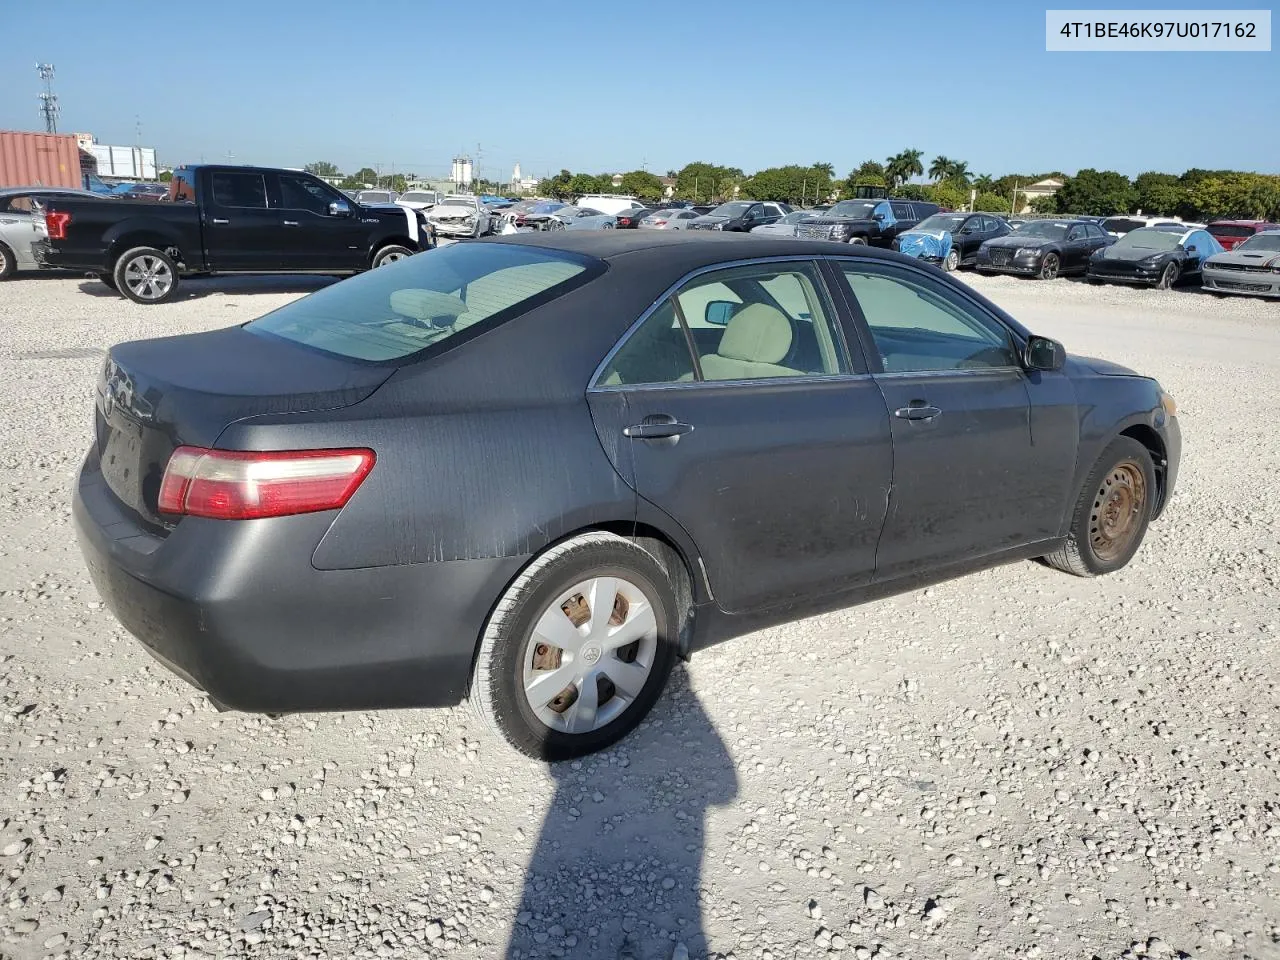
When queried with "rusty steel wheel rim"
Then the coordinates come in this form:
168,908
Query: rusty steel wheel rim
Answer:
1118,509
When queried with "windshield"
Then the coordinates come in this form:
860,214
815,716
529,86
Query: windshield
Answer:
395,311
853,209
1262,243
796,216
944,221
373,196
735,208
1047,229
1148,239
1230,230
414,196
1122,224
546,207
459,202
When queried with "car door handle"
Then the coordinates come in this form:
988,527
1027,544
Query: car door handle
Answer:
219,220
291,223
659,427
917,410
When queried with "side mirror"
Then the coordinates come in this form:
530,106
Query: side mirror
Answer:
1191,249
719,312
877,216
339,208
1044,354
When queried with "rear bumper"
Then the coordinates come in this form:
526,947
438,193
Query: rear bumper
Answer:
237,609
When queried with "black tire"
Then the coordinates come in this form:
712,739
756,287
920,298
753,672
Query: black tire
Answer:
1090,550
390,254
858,241
146,260
952,262
1168,277
497,685
8,262
1050,266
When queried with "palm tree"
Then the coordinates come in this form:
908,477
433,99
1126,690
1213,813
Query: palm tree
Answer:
826,168
983,183
940,169
959,173
903,166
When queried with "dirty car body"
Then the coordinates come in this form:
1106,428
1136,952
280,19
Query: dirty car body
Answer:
481,403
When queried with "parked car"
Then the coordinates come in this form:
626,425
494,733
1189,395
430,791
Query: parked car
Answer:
702,209
580,218
144,191
537,215
226,220
461,216
950,240
674,218
786,226
867,221
607,203
1155,256
1232,233
1043,248
739,215
1119,226
1251,268
373,197
358,501
630,219
418,199
22,224
92,183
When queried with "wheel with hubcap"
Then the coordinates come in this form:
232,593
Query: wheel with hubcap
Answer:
146,275
392,253
1168,277
578,649
952,262
858,241
8,263
1112,512
555,225
1049,266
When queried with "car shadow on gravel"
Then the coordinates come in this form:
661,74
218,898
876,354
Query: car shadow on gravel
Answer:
198,288
617,870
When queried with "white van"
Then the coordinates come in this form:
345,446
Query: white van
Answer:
610,204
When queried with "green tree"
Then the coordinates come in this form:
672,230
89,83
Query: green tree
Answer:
940,169
397,182
991,203
557,186
580,184
642,184
165,176
706,181
1101,193
1044,204
792,183
868,172
322,168
1244,196
1160,194
983,183
901,167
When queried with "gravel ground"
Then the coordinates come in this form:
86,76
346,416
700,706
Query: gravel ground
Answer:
1016,764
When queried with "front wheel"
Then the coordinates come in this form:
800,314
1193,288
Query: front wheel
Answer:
1050,266
390,254
578,649
952,262
858,241
1168,277
146,275
8,262
1112,512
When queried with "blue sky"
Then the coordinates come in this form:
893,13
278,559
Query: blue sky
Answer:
752,84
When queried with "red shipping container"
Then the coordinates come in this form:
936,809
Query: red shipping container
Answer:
39,160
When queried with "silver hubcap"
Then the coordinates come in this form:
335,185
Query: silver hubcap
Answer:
590,655
391,257
148,277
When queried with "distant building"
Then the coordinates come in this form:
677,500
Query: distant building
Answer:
668,187
1041,188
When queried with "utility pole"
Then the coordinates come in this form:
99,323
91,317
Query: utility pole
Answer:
48,99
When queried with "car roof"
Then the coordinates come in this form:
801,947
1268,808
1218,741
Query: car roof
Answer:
1237,223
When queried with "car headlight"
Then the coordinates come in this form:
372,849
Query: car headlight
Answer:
1028,252
840,231
1152,260
1169,404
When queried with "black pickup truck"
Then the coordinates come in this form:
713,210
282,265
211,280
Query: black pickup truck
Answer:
227,220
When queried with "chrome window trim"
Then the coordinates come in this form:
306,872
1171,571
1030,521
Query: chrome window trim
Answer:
593,384
753,381
961,371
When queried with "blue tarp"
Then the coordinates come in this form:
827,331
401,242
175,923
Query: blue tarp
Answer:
885,211
1206,244
928,244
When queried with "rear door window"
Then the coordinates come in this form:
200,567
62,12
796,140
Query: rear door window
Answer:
240,190
399,310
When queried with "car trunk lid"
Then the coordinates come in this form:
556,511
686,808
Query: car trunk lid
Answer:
156,395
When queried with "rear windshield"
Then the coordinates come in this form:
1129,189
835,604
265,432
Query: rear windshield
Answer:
1230,230
399,309
1122,224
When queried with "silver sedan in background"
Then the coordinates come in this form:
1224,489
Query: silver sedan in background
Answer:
674,219
581,218
19,228
786,226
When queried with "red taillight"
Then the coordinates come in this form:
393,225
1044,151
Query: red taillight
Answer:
243,485
55,223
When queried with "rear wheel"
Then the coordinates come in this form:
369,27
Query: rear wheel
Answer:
8,263
578,649
390,254
1049,266
1112,512
1168,277
952,262
858,241
146,275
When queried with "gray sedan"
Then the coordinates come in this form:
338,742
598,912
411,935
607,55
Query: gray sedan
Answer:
581,218
19,228
786,227
1252,268
676,218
